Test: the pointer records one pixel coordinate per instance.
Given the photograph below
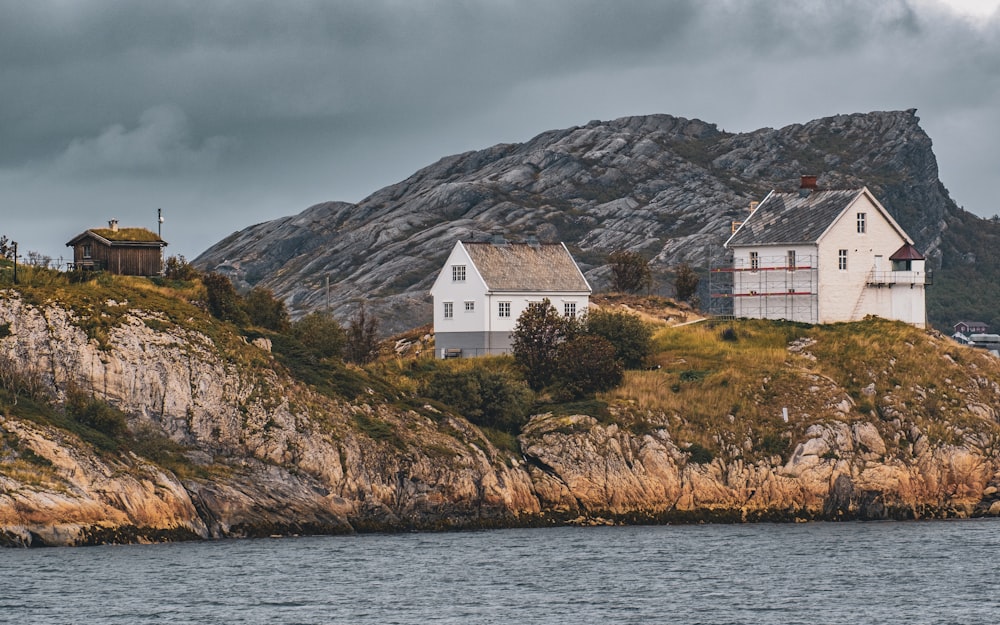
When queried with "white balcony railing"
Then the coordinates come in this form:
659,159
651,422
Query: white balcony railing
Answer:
879,278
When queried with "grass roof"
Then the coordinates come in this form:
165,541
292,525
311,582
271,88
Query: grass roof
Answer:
138,235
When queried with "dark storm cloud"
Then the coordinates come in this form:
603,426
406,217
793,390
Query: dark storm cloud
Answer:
236,112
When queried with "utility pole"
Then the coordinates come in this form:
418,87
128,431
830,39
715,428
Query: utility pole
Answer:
159,223
15,262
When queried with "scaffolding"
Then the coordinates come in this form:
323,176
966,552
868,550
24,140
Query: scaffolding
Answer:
765,287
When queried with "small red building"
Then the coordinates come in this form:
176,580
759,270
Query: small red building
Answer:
123,251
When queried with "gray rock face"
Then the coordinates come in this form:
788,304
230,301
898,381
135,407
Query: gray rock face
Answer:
664,186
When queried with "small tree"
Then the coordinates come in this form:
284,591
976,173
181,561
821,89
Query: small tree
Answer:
177,268
265,310
539,331
223,301
6,248
362,338
630,272
686,282
585,365
320,334
630,336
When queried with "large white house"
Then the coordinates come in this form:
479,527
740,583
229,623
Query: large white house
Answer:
484,287
823,256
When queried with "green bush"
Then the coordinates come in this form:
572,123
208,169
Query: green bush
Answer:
223,301
536,338
265,310
631,337
320,334
630,272
94,413
585,365
492,398
177,268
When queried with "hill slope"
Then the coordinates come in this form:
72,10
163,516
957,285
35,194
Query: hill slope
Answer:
665,186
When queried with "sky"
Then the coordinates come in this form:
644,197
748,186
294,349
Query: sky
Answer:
227,113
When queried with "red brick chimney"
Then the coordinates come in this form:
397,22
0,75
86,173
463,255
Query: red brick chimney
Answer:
808,182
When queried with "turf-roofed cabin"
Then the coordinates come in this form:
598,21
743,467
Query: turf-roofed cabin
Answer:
123,251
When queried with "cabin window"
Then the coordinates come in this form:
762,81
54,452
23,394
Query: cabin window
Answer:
842,260
754,261
503,309
791,260
87,252
470,306
449,310
458,273
861,223
569,309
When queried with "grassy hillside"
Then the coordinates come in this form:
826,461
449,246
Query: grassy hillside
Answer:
720,387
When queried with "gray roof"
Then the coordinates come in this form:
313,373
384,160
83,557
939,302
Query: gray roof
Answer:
793,218
527,267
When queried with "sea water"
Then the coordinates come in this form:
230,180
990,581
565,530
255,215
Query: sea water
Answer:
830,573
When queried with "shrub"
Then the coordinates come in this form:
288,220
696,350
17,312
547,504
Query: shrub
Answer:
686,282
361,345
492,398
630,272
586,365
631,337
539,331
265,310
320,334
94,413
177,268
223,301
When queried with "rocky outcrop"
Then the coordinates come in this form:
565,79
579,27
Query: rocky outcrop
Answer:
253,453
664,186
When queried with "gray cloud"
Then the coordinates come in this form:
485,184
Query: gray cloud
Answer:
275,106
161,142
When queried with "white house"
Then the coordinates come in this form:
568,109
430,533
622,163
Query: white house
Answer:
823,256
484,287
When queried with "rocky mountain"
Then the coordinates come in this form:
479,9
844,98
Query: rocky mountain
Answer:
218,440
664,186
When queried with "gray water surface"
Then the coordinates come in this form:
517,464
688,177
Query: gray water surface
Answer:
913,573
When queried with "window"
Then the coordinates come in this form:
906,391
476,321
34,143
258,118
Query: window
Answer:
754,261
791,260
449,310
470,306
861,223
569,309
458,273
503,309
87,250
842,260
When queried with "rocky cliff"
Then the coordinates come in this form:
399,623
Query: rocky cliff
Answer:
220,441
664,186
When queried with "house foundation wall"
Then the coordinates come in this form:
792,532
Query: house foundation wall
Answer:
470,344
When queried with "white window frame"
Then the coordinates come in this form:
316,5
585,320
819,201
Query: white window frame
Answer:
458,273
503,310
449,310
862,223
791,260
569,309
842,260
754,261
470,306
